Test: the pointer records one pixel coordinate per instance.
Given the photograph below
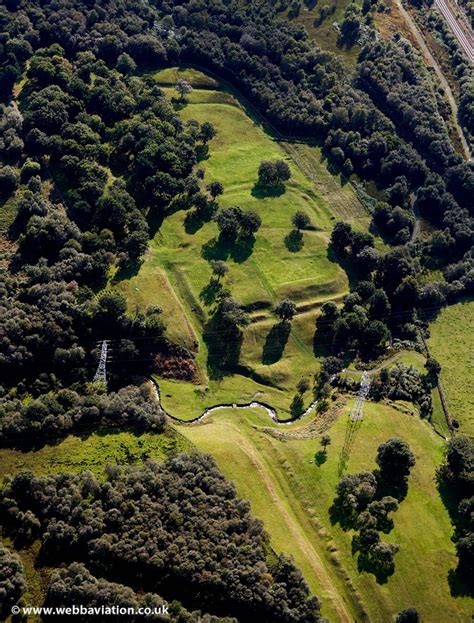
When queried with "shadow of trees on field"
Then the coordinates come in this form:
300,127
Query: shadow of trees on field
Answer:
294,241
369,564
223,344
209,293
275,343
459,579
193,222
195,219
128,270
297,405
460,583
221,249
261,191
320,457
397,489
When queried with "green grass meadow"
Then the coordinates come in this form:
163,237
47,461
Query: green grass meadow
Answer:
92,452
452,344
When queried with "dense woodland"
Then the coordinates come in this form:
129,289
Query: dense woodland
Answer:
94,157
205,549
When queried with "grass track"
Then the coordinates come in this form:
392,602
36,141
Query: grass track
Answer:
304,492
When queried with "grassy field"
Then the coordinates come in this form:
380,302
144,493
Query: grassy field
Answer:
176,273
452,343
276,471
92,452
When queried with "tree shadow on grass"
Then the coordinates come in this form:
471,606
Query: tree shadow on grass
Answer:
275,342
223,348
345,264
367,563
215,249
209,293
202,152
195,219
320,457
221,249
128,270
297,406
261,191
193,222
179,103
460,583
395,488
242,249
294,241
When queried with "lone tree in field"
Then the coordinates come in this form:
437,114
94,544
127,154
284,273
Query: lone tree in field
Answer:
183,88
303,385
219,269
273,172
300,220
285,310
215,189
395,460
207,132
325,441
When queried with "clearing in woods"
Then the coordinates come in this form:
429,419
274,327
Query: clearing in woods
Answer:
318,18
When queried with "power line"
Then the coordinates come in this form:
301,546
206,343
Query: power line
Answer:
354,422
101,373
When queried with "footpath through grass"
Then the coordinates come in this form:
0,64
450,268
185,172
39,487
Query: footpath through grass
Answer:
292,495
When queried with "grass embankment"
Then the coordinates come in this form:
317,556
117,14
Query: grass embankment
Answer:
176,273
452,344
292,495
